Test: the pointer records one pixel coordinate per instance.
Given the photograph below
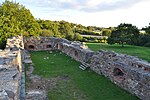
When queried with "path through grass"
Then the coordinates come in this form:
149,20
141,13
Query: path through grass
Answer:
141,52
81,85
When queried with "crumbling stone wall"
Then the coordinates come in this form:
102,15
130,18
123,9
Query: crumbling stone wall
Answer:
76,50
11,69
128,72
42,43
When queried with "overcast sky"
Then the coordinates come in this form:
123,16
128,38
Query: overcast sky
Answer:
102,13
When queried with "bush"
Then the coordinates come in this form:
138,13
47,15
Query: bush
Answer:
2,45
96,41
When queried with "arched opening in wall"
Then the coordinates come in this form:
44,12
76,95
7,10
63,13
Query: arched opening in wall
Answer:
41,42
146,69
31,47
139,66
76,53
57,46
118,72
48,46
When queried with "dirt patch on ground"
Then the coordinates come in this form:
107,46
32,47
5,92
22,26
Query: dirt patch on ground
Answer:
38,88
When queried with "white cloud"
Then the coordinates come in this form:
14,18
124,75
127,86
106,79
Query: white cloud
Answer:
84,5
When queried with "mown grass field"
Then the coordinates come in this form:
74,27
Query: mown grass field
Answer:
80,85
141,52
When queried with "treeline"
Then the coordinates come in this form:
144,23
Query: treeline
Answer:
60,29
15,19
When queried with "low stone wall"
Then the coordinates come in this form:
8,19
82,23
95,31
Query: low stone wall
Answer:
42,43
11,69
128,72
76,50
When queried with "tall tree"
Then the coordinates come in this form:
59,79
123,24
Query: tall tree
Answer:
66,30
124,33
51,26
15,19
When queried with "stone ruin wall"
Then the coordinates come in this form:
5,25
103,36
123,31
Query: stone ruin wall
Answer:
11,69
72,49
128,72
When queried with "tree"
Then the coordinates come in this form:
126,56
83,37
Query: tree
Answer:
106,32
47,33
50,26
147,29
144,40
66,30
118,36
77,37
124,33
15,19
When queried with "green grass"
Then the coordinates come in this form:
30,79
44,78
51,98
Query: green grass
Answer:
141,52
81,85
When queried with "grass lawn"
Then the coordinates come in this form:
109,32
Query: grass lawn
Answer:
80,85
141,52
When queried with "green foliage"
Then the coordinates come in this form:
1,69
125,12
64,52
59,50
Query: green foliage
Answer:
147,44
47,33
16,19
125,33
77,37
51,26
106,32
86,32
2,44
66,30
94,39
60,29
147,29
145,38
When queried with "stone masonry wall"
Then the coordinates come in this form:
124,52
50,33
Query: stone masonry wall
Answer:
128,72
76,50
11,69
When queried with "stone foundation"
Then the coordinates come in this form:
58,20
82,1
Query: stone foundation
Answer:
128,72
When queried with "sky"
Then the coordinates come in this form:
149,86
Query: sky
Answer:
101,13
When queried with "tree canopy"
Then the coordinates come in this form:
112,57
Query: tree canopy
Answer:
15,19
124,33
